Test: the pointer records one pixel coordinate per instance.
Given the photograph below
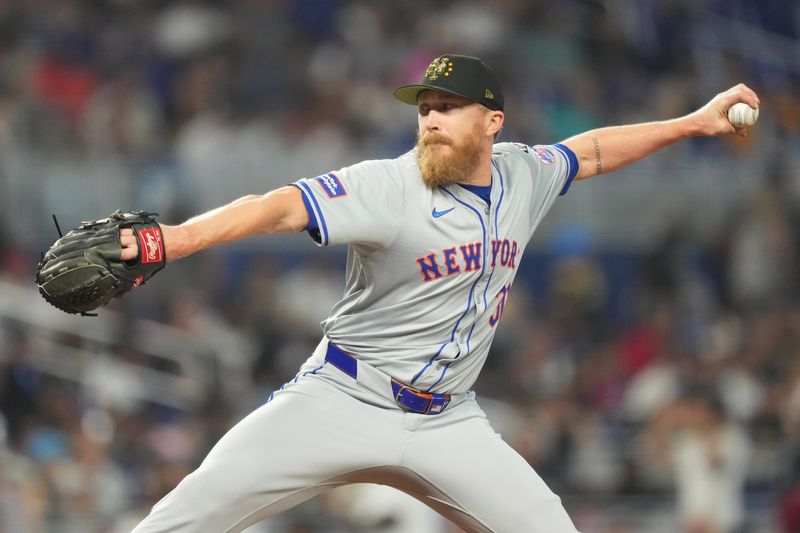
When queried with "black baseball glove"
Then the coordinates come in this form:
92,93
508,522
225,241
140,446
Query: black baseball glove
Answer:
83,269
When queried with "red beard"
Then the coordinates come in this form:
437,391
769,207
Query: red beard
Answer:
444,161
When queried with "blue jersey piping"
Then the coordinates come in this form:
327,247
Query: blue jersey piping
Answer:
572,166
307,190
272,394
496,228
469,297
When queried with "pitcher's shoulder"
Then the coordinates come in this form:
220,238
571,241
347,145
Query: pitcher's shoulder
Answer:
404,161
509,156
407,161
536,154
510,149
405,167
400,172
390,166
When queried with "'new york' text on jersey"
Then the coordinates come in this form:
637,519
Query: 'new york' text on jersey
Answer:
429,270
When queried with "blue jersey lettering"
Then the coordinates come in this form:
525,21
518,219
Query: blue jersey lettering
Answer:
429,268
450,261
472,256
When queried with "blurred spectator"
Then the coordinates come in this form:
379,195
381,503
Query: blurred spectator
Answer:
21,384
789,510
111,380
709,455
23,501
762,254
307,295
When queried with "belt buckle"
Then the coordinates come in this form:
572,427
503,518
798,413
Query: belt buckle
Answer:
428,397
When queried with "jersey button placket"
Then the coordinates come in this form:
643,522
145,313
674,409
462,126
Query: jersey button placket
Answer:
478,298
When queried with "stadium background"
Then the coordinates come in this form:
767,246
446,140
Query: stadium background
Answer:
647,363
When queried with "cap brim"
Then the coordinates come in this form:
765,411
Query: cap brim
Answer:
408,94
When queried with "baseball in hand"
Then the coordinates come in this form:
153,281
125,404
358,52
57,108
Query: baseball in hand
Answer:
742,115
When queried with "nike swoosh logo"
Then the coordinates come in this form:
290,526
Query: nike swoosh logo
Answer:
437,214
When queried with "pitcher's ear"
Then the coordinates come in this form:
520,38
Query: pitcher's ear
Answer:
495,123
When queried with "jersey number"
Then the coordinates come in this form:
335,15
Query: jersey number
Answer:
501,305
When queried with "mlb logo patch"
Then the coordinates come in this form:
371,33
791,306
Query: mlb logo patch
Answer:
332,185
545,154
524,147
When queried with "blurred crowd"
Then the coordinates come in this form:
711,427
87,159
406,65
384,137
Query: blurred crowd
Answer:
654,388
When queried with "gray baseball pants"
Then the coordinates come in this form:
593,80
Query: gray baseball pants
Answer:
324,429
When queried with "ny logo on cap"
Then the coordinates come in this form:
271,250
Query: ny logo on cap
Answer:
439,66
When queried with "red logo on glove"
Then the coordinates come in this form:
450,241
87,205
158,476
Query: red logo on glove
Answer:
151,247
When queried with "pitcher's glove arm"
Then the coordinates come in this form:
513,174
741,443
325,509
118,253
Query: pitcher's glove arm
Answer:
83,270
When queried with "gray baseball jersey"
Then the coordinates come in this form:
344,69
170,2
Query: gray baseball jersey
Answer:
428,276
429,270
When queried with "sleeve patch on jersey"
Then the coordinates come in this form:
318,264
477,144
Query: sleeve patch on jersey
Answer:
332,185
545,154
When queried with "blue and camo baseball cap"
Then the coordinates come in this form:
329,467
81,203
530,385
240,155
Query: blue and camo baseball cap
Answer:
457,74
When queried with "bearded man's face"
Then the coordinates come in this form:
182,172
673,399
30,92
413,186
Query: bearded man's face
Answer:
444,160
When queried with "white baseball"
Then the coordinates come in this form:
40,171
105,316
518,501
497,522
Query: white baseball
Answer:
741,115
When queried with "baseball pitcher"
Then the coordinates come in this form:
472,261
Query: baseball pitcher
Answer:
435,238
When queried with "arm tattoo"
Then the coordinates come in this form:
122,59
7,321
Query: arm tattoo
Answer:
597,162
